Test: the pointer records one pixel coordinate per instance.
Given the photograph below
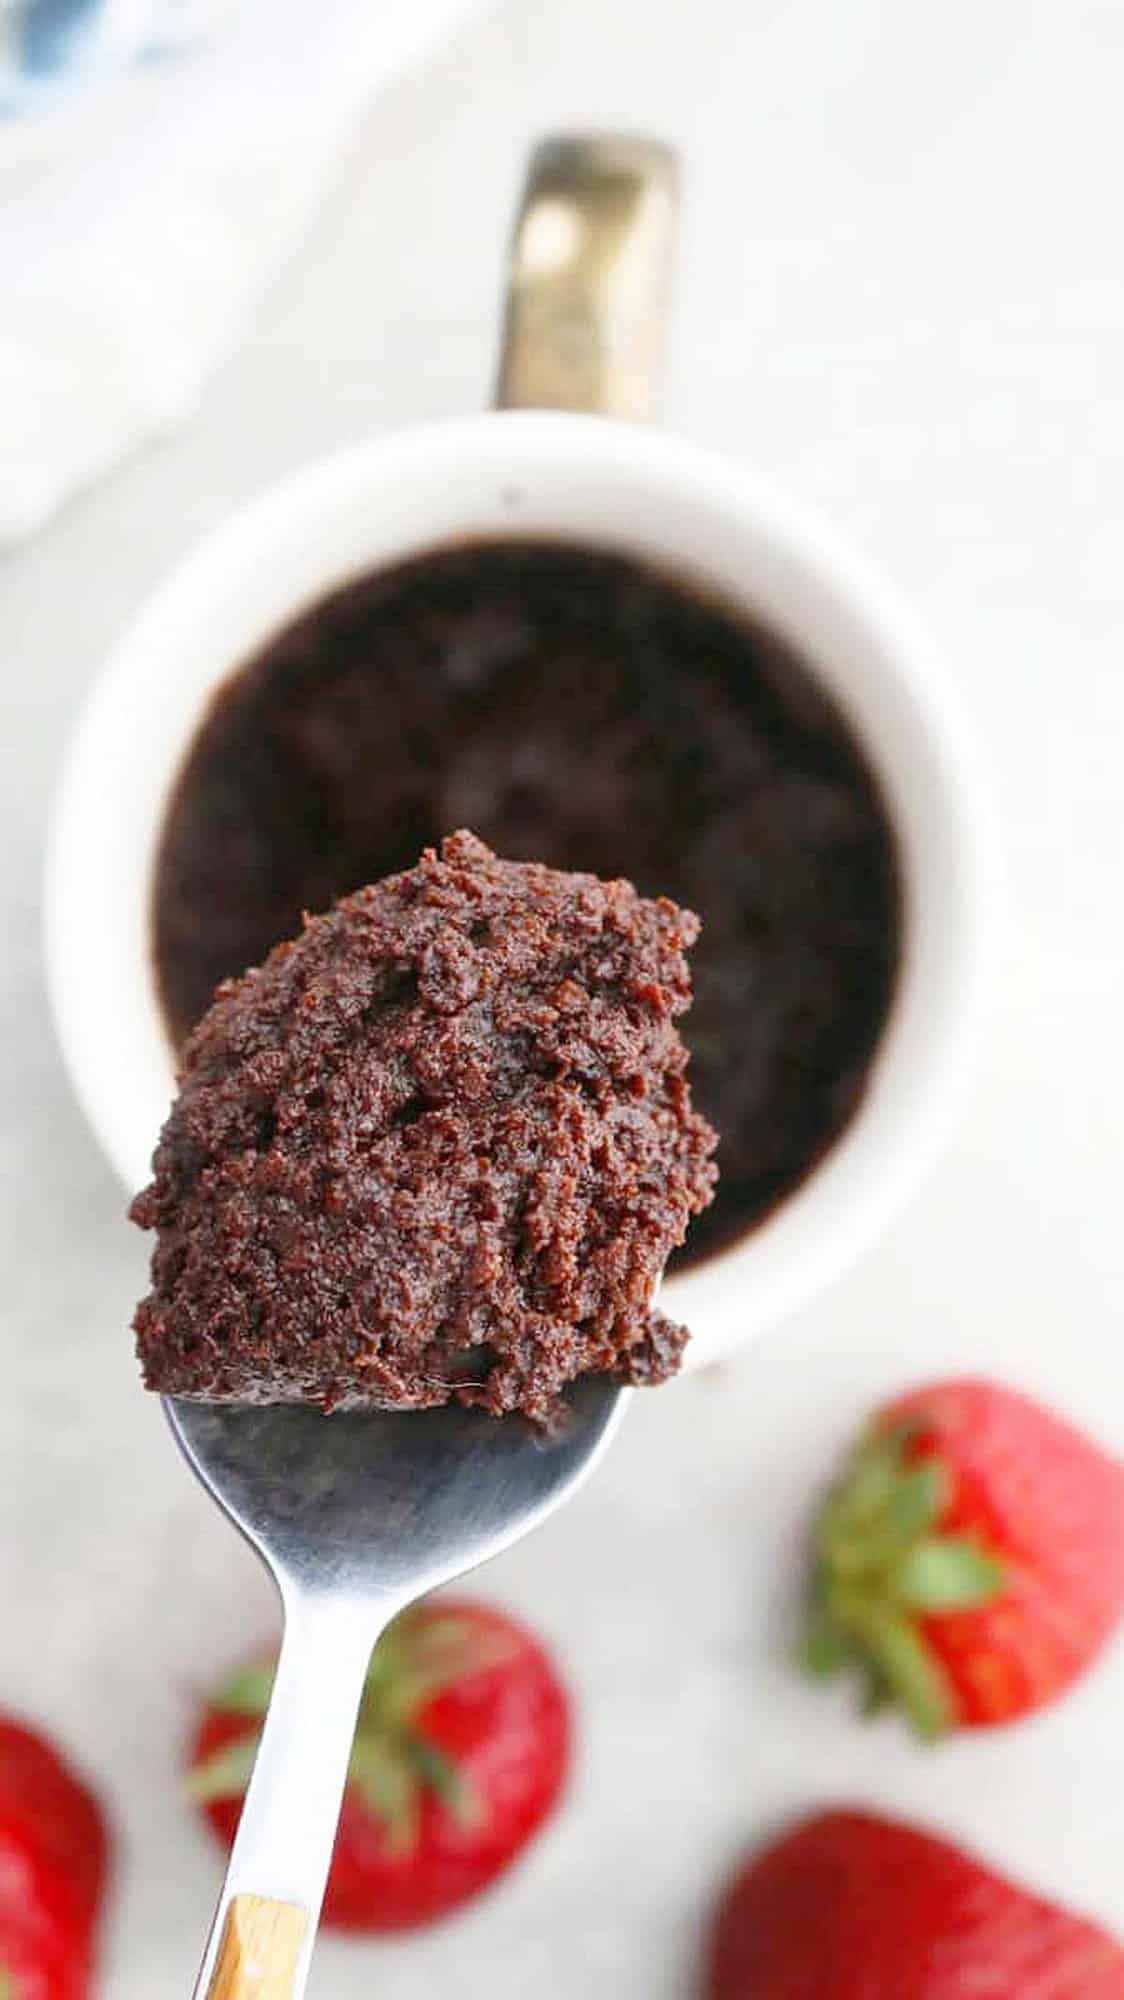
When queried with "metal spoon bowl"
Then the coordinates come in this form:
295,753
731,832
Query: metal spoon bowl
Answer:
356,1515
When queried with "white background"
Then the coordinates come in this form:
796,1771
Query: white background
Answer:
902,294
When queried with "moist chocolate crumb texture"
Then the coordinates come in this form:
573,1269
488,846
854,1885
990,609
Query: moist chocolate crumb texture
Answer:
437,1148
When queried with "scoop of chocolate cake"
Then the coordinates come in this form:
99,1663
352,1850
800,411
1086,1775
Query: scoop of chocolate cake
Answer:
438,1147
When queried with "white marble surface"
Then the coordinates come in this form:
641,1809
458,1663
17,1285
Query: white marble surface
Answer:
903,294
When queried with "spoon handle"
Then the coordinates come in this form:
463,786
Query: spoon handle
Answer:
260,1950
261,1941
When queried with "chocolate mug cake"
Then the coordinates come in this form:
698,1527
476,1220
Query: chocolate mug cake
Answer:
437,1148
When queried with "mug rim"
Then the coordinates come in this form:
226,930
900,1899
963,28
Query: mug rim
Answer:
839,1205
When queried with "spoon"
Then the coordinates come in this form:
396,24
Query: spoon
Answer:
355,1515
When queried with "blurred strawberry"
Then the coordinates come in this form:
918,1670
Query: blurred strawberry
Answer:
460,1753
849,1906
970,1562
53,1861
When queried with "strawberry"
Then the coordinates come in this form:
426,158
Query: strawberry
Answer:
460,1752
971,1559
53,1861
37,1963
849,1906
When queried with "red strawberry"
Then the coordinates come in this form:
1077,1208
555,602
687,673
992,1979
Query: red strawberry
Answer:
971,1559
53,1859
38,1963
460,1753
852,1907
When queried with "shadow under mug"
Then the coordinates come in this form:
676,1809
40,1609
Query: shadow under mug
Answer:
562,458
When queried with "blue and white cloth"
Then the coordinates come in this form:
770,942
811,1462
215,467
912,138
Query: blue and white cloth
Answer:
141,219
48,47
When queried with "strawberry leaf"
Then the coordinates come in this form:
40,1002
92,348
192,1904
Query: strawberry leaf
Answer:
918,1500
380,1774
442,1776
420,1655
825,1648
948,1573
861,1495
225,1774
874,1472
876,1695
880,1507
247,1691
911,1673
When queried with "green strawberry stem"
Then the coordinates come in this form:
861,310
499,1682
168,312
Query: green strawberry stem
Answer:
225,1774
883,1568
392,1763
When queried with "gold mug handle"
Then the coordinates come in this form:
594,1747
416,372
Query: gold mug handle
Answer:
589,277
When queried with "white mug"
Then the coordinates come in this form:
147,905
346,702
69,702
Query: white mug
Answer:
572,476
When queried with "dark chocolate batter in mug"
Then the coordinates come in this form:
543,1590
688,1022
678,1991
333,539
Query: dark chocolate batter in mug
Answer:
579,708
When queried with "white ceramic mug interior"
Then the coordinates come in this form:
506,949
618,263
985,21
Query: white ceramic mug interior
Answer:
606,484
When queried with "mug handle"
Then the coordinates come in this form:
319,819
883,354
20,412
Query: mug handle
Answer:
589,277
